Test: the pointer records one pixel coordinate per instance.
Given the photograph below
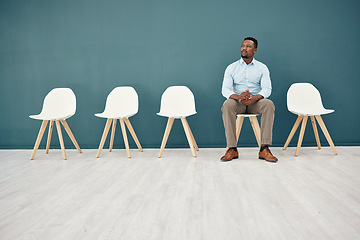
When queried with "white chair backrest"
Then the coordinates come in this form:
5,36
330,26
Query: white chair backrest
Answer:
122,102
59,103
177,101
304,98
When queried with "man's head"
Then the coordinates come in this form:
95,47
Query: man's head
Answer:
249,47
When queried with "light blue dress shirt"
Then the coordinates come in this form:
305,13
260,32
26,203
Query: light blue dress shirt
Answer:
239,76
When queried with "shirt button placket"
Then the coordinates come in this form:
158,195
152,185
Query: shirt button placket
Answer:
246,74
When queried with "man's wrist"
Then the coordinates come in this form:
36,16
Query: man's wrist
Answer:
258,97
234,96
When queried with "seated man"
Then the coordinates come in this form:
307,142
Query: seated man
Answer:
247,86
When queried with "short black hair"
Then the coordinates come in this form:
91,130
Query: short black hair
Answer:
252,39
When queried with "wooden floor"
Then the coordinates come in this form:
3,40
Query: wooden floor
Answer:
313,196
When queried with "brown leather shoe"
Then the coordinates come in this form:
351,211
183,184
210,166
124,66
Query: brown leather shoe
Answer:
230,155
267,155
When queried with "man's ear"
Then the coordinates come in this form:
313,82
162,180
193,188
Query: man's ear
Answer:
255,50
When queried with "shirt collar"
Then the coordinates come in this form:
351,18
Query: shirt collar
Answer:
243,62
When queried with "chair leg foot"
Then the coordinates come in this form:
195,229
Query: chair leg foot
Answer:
239,123
293,130
313,122
301,135
132,132
39,137
256,127
326,133
166,135
103,138
51,125
112,134
123,129
71,135
191,135
61,140
188,136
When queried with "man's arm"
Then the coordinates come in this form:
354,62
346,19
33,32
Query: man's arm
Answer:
228,83
265,83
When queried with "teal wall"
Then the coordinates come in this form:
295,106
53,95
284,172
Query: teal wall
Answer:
93,46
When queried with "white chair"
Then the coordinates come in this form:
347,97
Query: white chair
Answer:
59,104
121,103
254,123
304,100
178,102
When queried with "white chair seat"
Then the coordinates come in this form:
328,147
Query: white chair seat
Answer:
247,115
176,114
114,115
50,116
303,112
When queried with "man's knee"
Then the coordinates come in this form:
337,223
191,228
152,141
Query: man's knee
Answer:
267,105
229,105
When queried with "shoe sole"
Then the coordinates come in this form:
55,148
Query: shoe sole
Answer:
225,160
275,161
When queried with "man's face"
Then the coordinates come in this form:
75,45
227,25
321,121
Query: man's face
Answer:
248,49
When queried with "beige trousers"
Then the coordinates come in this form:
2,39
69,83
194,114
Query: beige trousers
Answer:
264,107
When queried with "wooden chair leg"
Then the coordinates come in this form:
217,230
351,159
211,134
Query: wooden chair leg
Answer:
313,122
188,136
71,135
301,135
39,137
192,136
239,123
166,135
112,134
51,125
132,132
123,129
326,133
61,140
293,130
103,138
256,127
